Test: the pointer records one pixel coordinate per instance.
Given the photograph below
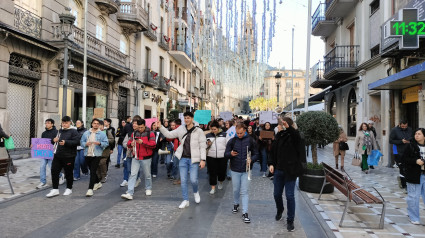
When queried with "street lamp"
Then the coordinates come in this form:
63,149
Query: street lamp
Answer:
67,25
202,94
277,77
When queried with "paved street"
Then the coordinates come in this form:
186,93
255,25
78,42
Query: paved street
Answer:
107,215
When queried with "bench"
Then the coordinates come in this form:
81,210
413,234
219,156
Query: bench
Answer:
5,163
353,192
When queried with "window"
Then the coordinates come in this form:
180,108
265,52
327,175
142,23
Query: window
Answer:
171,68
352,113
297,84
374,51
76,11
180,77
124,44
161,66
286,74
148,58
374,6
184,79
101,29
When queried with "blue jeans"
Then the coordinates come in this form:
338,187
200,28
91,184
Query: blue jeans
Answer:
284,181
80,162
176,169
240,184
121,150
145,165
414,193
43,164
127,169
264,155
185,165
154,164
169,162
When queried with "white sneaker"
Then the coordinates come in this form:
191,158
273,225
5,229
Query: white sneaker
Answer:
124,183
264,175
154,176
62,179
127,196
212,191
148,192
53,193
415,222
67,192
138,181
184,204
41,185
97,186
220,185
197,197
89,193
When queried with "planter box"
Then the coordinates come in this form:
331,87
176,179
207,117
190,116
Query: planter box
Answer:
312,182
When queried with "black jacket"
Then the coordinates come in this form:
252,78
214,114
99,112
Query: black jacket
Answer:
72,140
81,131
50,134
112,131
2,135
128,128
413,170
238,163
288,153
397,135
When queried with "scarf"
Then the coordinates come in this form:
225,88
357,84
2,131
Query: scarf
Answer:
92,138
367,141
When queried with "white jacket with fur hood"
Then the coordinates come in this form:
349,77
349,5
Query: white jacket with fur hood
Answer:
198,142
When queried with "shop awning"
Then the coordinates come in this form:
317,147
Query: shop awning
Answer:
404,79
320,95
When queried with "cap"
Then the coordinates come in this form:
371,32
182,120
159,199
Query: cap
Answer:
370,122
66,118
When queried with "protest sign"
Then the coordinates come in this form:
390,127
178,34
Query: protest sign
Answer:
267,134
42,148
149,122
226,116
268,116
98,112
203,116
182,118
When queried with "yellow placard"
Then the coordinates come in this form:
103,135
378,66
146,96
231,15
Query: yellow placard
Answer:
98,112
410,95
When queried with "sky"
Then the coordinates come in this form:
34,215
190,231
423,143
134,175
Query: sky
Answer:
288,14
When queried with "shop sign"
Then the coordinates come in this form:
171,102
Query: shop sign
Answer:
410,95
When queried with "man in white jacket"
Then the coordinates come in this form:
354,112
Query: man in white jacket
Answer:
191,153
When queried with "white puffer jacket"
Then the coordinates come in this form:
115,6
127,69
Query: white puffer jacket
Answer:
198,142
218,146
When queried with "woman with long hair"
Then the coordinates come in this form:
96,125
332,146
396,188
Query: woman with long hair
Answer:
264,147
339,151
364,144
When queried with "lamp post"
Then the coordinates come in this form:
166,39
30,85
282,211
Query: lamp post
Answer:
277,77
67,23
202,95
292,81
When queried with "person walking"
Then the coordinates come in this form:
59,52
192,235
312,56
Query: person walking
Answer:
129,158
155,156
127,128
217,163
414,160
94,141
102,170
338,150
110,130
80,161
142,143
237,150
66,143
364,144
265,146
285,161
122,150
401,136
171,159
191,153
50,133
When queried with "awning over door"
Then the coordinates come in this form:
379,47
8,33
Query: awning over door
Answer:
404,79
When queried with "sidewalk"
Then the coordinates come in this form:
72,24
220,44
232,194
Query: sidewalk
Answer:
384,179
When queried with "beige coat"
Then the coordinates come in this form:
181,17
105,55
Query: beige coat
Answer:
343,138
358,144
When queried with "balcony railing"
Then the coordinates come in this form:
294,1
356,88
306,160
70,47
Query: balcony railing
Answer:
150,78
27,22
186,49
317,71
346,56
151,32
163,42
164,84
132,17
94,45
108,6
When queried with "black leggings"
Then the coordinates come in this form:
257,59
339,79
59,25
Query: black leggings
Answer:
93,164
67,163
216,169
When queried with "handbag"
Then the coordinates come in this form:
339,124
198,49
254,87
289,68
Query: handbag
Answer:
9,144
373,158
343,146
357,161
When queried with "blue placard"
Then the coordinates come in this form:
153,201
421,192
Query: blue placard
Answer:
203,116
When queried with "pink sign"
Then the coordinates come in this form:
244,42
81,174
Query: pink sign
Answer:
149,121
42,148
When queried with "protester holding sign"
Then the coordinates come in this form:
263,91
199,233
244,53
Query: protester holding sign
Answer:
66,150
49,133
265,145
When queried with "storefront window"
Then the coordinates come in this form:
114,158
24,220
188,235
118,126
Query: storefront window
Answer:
352,113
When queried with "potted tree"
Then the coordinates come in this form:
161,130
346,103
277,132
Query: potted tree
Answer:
317,127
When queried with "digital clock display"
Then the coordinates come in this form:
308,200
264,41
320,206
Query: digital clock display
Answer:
407,28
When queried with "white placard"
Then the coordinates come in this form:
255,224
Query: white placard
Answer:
181,118
268,116
226,116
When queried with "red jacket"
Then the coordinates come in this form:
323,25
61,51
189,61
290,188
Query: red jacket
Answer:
144,150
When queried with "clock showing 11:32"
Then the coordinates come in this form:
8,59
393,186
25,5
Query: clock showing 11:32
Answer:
407,28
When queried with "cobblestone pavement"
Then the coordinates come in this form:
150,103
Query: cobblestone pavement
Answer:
31,214
384,179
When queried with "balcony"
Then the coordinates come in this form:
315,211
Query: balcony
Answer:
108,6
164,84
151,32
341,62
182,53
322,25
339,8
132,17
95,47
150,78
163,42
27,22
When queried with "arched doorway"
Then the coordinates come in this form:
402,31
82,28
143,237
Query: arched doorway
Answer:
352,113
332,106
